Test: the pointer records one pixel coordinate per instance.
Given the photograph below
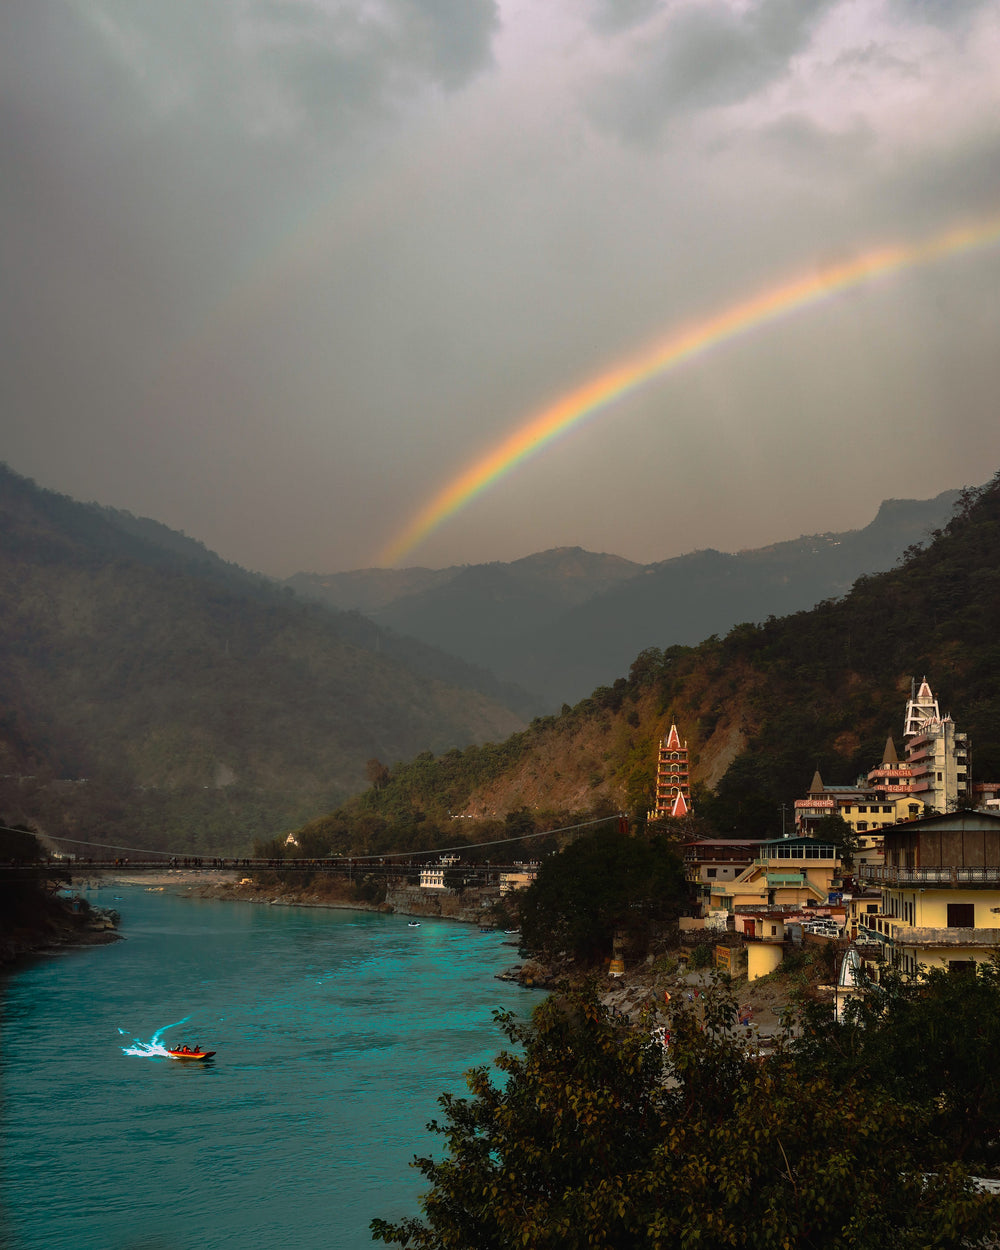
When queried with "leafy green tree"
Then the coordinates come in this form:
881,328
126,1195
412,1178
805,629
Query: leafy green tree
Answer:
931,1043
835,829
544,1159
602,882
586,1144
519,822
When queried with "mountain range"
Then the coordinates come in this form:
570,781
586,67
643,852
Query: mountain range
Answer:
563,622
760,710
154,694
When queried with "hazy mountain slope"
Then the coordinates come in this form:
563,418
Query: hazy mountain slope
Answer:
763,707
152,672
689,598
368,590
474,613
561,622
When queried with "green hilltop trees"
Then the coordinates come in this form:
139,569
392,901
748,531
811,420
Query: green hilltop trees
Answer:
601,883
594,1137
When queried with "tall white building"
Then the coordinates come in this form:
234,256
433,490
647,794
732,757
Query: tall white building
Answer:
937,756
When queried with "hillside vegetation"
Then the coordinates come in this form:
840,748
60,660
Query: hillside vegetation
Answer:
761,709
152,694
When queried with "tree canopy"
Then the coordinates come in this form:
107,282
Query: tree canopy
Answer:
595,1136
602,882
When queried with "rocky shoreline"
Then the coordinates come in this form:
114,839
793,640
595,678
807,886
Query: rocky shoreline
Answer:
644,994
59,924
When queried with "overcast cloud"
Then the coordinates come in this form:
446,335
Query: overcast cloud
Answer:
275,272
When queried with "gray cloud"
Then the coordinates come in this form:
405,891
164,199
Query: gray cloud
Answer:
274,272
707,55
610,16
944,13
336,63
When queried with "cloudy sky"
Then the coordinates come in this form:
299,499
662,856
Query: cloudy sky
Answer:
276,271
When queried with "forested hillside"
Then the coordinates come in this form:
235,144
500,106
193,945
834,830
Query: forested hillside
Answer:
152,694
761,709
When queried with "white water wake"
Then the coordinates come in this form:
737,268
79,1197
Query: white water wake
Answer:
154,1048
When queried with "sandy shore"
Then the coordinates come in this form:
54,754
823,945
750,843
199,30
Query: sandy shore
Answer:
155,879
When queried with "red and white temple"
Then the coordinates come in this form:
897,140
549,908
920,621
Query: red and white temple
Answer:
673,784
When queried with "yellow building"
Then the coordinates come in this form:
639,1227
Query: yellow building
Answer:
858,907
940,886
519,879
709,862
786,873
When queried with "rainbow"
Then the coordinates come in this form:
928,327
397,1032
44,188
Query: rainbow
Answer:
600,392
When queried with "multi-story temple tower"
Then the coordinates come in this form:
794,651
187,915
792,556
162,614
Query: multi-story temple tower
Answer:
673,784
921,709
937,756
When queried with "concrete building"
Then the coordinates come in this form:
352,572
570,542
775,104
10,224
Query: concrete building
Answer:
519,879
940,891
787,873
709,862
937,756
934,775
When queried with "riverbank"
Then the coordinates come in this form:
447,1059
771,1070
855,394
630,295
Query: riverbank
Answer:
472,906
645,993
46,923
639,994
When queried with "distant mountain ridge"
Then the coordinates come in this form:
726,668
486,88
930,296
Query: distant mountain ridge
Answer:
204,705
563,622
760,710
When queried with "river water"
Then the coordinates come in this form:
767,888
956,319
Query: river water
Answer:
335,1030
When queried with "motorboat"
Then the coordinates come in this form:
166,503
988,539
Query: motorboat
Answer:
185,1052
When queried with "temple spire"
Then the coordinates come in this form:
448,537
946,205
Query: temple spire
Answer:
673,782
921,708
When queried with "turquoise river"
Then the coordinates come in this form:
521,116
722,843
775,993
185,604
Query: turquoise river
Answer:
335,1030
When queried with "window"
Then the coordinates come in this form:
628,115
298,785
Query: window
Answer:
862,808
711,872
887,808
961,915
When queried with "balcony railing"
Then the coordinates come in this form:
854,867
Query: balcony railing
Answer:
945,876
900,934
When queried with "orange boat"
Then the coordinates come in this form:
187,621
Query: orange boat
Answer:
184,1052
